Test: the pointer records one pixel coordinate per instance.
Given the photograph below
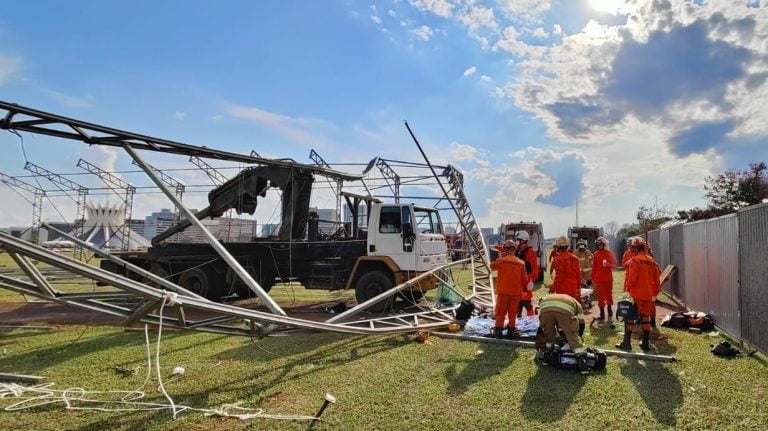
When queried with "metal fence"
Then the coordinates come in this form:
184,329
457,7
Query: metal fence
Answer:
722,269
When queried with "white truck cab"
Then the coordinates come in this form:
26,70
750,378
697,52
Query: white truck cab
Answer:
403,241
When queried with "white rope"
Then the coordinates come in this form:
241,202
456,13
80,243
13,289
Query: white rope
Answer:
44,394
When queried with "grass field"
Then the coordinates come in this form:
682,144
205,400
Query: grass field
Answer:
388,383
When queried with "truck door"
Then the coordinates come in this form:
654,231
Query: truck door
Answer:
395,236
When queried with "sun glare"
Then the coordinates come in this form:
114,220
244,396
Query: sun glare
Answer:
608,6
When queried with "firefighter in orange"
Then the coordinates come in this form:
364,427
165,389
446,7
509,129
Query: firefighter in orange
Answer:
626,259
567,271
643,286
602,277
512,281
528,255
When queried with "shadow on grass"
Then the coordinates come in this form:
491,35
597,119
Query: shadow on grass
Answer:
659,388
549,394
479,368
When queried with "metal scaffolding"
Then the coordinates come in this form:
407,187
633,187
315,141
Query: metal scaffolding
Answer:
120,188
37,202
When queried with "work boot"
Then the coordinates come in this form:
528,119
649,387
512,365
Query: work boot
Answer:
601,317
512,333
645,344
624,345
497,332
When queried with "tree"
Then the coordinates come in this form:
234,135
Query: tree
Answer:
611,228
627,230
731,190
651,217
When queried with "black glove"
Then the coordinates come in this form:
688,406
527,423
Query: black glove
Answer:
581,329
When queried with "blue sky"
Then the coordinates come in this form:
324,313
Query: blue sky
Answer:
542,103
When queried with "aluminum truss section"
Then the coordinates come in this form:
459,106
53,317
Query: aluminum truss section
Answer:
120,188
66,184
37,202
339,183
23,119
217,315
482,281
216,177
391,177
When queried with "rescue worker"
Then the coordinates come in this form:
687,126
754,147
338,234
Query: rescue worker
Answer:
559,312
528,255
602,277
567,271
585,261
643,286
626,259
512,281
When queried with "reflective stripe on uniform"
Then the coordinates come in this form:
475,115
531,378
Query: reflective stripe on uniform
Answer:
558,304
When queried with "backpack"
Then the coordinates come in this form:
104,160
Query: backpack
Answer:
690,319
725,349
676,320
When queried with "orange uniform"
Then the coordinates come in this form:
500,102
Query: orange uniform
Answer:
510,284
602,276
528,255
567,275
643,283
625,261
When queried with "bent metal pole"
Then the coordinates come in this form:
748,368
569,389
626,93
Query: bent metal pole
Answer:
217,246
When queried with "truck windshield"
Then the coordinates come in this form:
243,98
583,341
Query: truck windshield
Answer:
427,221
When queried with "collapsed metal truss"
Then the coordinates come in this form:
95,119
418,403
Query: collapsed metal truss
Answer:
220,317
37,202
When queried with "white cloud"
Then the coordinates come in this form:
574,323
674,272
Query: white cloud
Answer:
376,19
302,130
557,30
442,8
477,17
8,66
373,8
486,78
513,45
471,71
467,153
525,10
180,116
540,33
424,32
392,13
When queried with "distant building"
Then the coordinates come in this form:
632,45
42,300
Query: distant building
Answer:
331,215
158,222
362,216
137,225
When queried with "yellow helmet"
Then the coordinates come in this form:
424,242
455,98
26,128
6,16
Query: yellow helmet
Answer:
561,241
454,327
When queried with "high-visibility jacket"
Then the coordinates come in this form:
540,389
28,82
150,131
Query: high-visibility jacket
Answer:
585,259
643,278
628,255
562,303
527,254
512,278
567,274
600,272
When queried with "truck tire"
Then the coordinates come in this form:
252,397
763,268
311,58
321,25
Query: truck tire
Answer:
201,282
371,284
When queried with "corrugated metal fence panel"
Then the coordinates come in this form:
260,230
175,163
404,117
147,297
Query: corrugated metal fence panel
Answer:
753,272
653,241
695,240
662,257
618,246
722,297
677,258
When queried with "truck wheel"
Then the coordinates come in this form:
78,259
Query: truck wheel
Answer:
372,284
201,282
160,271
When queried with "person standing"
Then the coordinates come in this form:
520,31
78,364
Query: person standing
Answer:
528,255
585,261
643,286
567,271
602,277
511,282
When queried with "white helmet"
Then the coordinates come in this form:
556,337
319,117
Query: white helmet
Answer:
522,235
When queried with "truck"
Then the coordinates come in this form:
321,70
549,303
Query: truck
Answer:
389,244
588,233
536,235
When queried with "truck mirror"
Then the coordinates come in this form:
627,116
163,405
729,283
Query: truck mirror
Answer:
407,230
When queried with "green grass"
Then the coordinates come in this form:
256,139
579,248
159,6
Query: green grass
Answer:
389,383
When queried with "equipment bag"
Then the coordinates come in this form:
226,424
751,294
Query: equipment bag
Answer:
725,349
676,320
625,309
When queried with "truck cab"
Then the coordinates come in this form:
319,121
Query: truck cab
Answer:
403,241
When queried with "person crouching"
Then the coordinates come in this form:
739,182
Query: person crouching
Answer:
512,281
